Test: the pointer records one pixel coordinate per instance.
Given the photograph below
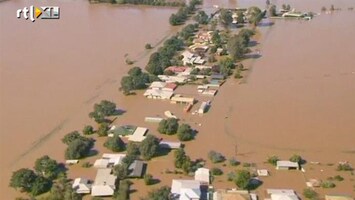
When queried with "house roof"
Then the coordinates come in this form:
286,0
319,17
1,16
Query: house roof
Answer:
188,194
136,168
187,54
280,191
203,175
286,163
178,185
113,159
262,172
217,76
157,84
102,190
138,135
81,185
230,195
338,197
170,145
104,184
101,163
171,86
158,93
183,99
284,197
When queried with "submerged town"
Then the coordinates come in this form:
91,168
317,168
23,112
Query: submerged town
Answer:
183,74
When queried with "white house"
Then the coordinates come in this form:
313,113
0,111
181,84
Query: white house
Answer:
104,184
158,94
81,186
282,194
203,107
202,175
138,135
186,189
286,165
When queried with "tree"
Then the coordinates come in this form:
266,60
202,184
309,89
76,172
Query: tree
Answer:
148,179
236,47
114,143
162,193
255,15
123,191
88,130
47,167
240,17
103,109
168,126
225,17
149,147
103,129
273,160
121,171
127,84
70,137
201,17
148,46
296,158
310,194
154,64
78,149
216,171
40,185
185,133
242,179
215,157
179,158
272,11
132,149
23,179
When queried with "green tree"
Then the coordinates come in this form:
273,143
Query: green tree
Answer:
201,17
216,171
103,129
148,46
162,193
272,11
70,137
78,149
168,126
225,17
255,15
240,17
148,179
273,160
185,133
47,167
123,191
88,130
216,39
179,158
296,158
115,144
215,157
132,149
127,84
149,147
103,109
23,179
310,194
242,179
121,171
40,185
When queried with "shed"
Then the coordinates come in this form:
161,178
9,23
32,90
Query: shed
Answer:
217,77
286,165
153,119
230,195
136,169
262,172
71,162
338,197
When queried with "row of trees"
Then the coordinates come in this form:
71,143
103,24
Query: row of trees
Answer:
171,126
254,16
238,44
183,13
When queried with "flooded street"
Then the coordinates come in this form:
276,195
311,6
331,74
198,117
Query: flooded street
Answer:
299,97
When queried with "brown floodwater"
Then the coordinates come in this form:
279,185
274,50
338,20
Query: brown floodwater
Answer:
297,98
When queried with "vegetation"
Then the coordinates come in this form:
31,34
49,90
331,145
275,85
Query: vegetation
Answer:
88,130
225,17
255,15
338,178
183,13
297,158
162,193
103,129
226,65
148,179
344,167
215,157
238,44
234,162
272,11
132,149
136,80
242,179
149,147
240,17
310,194
168,126
273,160
78,146
148,46
62,189
182,161
47,167
216,171
115,144
86,165
102,110
328,184
121,171
188,31
201,17
123,190
286,7
149,2
185,133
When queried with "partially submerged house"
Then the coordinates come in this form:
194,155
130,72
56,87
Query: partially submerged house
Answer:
286,165
139,135
109,160
177,99
173,79
282,194
186,189
81,186
203,175
136,169
104,184
262,172
338,197
204,106
158,94
169,145
231,195
190,58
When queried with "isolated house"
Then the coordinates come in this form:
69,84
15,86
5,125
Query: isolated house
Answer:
202,175
81,186
104,184
286,165
186,189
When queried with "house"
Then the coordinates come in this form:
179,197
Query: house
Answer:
186,189
338,197
282,194
71,162
262,172
173,79
109,160
177,99
153,119
158,94
209,92
169,145
199,48
81,186
170,87
203,107
138,135
136,169
286,165
101,163
190,58
231,195
217,77
202,175
203,37
157,85
104,184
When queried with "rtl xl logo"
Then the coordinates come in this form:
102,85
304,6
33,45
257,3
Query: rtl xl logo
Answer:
43,12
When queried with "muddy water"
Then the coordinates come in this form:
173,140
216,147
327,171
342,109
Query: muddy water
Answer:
298,97
53,71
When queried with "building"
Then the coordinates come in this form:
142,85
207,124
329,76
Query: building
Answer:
338,197
282,194
262,172
186,189
177,99
173,79
138,135
202,175
286,165
153,119
136,169
81,186
190,59
231,195
158,85
104,184
101,163
109,160
158,94
169,145
203,107
217,77
170,87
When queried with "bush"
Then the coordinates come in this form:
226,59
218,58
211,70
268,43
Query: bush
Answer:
148,179
297,158
115,144
338,178
216,171
148,46
328,184
185,133
273,160
242,179
344,167
234,162
168,126
310,193
231,176
216,157
103,129
88,130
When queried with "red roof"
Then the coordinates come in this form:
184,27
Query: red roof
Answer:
171,86
176,69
